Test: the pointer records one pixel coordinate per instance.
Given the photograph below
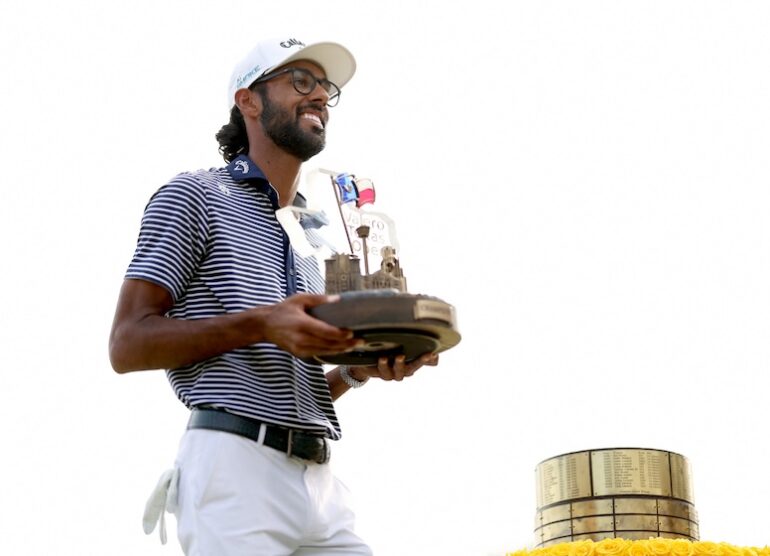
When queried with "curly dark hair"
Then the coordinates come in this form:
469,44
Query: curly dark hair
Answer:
232,136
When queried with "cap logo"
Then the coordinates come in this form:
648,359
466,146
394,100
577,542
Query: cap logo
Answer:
248,76
292,42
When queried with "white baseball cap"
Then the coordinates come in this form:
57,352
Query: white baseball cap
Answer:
335,59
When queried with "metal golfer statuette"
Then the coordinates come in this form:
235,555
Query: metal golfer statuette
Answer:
374,302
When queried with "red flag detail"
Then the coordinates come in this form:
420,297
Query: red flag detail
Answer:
365,192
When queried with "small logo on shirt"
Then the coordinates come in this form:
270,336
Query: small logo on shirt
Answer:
243,166
224,189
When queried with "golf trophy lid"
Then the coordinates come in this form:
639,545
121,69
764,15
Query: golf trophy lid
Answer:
374,302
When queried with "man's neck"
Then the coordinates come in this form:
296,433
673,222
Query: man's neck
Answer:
280,168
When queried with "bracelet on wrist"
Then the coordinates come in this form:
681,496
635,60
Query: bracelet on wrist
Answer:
349,380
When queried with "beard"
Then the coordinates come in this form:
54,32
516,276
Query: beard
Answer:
284,130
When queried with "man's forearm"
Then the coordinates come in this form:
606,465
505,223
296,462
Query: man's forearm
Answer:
158,342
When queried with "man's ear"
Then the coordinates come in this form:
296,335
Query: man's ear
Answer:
248,102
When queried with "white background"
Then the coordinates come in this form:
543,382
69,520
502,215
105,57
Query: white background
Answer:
586,181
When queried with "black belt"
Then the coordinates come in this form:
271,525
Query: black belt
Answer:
289,441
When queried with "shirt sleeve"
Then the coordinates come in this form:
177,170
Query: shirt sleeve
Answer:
173,236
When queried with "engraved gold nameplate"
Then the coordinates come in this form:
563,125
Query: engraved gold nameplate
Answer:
630,493
436,310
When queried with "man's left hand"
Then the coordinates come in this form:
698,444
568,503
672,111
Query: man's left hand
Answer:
394,369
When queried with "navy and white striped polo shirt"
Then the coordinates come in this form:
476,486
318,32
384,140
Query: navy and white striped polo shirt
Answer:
212,240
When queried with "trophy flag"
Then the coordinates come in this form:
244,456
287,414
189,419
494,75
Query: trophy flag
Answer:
347,187
365,189
360,190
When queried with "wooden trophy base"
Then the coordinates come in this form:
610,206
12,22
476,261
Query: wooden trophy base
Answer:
391,324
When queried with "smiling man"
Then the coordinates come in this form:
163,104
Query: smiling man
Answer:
216,295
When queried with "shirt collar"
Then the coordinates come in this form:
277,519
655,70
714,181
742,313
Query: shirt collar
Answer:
242,168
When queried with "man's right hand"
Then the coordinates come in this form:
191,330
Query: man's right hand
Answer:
289,326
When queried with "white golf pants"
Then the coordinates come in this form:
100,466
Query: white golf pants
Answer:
237,497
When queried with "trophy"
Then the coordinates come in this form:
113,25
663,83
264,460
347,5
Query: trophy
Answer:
629,493
374,302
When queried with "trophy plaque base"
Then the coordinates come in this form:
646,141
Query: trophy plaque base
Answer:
629,493
391,324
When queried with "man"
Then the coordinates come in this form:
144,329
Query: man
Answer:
216,295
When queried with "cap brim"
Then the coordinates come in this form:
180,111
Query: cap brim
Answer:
336,60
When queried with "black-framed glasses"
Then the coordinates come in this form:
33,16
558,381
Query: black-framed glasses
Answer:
305,83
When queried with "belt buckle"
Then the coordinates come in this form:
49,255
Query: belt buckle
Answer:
308,447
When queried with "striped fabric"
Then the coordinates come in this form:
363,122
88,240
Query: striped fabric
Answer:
212,240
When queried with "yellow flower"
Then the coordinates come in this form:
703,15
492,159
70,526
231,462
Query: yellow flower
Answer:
659,546
639,548
681,547
611,547
582,548
747,550
651,547
561,549
730,550
706,548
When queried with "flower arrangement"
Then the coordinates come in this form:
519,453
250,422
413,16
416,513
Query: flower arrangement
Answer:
651,547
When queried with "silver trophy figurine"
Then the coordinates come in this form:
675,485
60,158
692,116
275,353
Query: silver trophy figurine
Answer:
374,303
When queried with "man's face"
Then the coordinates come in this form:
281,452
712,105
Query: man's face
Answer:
293,121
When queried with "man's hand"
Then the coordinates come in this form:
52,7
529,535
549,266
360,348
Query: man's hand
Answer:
386,369
397,369
291,328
